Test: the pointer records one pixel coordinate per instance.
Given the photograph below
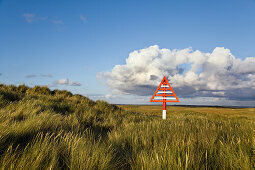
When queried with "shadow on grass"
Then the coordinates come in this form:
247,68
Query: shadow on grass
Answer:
124,155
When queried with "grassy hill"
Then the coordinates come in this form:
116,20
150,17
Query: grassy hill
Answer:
44,129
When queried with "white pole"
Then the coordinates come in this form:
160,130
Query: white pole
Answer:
164,114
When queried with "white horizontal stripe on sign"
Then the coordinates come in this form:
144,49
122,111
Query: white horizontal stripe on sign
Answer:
162,98
164,86
165,92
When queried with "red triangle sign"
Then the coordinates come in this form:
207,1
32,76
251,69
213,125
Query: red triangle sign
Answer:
164,93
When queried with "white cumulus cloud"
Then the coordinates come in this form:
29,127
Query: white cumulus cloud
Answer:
65,81
191,73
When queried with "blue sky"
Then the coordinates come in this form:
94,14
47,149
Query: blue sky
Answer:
78,40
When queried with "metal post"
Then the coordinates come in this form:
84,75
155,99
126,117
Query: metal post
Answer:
164,103
164,110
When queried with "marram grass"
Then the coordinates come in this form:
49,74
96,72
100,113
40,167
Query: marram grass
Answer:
43,129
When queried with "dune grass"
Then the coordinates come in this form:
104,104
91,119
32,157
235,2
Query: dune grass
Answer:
44,129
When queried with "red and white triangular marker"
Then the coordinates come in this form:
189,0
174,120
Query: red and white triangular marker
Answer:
164,93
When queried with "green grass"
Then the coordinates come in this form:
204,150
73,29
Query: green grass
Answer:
43,129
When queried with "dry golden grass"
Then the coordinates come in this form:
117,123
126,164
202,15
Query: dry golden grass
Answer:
157,110
44,129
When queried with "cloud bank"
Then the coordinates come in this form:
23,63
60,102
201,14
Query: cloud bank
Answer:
191,73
